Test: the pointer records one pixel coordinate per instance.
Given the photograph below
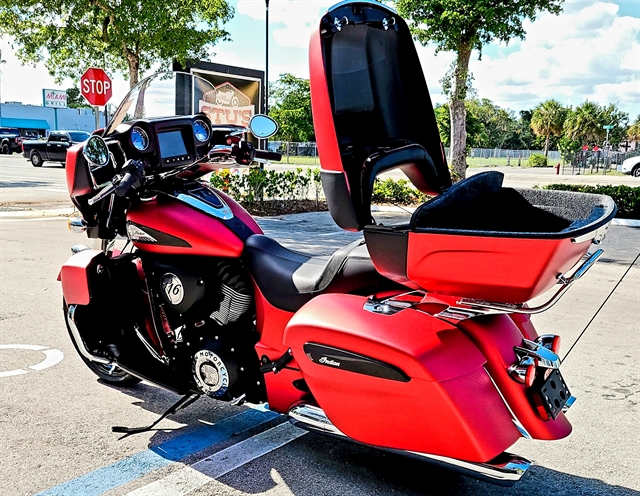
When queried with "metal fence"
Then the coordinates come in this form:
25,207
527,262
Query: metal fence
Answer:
598,161
291,150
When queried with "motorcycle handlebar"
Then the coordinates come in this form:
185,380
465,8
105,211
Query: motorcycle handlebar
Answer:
132,178
106,191
265,155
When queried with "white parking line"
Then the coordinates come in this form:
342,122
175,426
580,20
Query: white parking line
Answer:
209,469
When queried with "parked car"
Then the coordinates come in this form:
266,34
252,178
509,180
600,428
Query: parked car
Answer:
54,149
9,140
631,166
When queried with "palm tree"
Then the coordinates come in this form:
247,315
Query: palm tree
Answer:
633,133
548,119
584,123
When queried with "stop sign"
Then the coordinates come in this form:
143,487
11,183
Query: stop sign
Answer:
95,86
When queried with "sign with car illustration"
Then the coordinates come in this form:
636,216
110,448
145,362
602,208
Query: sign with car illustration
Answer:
237,95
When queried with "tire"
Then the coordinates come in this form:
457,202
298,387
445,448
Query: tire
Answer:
6,149
110,374
36,159
636,171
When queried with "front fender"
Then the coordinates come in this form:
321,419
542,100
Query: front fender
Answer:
75,274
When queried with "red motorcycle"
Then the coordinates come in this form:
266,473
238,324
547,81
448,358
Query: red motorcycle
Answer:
417,339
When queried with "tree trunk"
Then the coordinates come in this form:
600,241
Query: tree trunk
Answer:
458,113
546,146
134,66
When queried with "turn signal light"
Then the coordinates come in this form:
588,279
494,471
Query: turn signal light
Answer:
530,375
555,344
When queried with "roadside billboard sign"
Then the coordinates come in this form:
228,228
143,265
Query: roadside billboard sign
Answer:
54,98
237,96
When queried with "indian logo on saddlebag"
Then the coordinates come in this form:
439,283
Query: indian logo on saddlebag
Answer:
327,361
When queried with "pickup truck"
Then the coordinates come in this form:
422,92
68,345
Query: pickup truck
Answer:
54,149
9,140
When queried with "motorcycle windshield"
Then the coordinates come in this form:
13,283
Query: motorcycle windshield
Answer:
166,94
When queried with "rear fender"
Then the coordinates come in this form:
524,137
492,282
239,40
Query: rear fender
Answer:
75,274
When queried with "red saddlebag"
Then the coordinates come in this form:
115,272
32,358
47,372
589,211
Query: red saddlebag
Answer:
405,381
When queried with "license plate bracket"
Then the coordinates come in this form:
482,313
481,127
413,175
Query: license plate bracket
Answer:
554,393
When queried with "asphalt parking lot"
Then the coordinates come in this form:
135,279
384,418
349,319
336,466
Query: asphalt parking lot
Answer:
56,418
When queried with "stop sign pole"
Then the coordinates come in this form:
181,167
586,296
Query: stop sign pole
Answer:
96,88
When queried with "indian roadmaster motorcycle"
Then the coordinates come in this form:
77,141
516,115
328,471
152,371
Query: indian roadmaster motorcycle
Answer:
416,339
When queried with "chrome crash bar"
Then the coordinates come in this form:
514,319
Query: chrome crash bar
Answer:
504,469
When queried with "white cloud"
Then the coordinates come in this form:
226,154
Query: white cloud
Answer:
293,21
586,53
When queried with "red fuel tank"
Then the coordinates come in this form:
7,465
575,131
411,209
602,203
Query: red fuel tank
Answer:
187,226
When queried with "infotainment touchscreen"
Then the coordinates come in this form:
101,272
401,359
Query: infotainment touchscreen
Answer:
171,144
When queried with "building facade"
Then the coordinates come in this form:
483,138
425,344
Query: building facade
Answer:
35,120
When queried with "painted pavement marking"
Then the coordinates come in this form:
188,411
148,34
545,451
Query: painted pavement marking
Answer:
52,357
221,463
106,478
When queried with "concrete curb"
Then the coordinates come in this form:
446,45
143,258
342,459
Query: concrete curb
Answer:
65,212
54,212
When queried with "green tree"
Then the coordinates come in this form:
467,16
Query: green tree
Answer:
75,99
633,133
126,36
493,125
290,106
462,26
547,120
584,124
611,115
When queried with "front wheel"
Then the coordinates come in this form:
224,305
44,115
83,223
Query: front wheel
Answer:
110,374
636,171
6,149
36,159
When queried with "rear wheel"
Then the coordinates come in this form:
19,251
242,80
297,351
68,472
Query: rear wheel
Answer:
108,373
36,159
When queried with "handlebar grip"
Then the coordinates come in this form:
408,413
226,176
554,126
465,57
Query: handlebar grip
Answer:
265,155
125,184
106,191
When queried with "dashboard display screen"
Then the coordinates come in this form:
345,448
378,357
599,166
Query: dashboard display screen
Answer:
171,144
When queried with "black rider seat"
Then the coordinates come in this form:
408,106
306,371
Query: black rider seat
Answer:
289,279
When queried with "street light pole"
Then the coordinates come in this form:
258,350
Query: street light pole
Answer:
266,63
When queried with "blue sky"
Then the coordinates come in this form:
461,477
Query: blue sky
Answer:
591,51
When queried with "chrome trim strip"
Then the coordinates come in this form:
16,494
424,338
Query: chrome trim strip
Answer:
596,236
71,312
509,469
223,213
515,420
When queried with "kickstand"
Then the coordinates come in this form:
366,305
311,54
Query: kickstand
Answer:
183,402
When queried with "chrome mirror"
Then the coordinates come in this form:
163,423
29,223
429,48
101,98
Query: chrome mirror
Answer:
96,152
262,126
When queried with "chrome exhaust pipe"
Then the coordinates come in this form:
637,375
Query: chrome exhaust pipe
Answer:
505,469
71,313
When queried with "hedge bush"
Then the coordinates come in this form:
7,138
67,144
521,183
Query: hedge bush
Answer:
537,160
257,185
396,192
627,198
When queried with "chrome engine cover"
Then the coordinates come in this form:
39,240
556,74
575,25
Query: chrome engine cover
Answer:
210,373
